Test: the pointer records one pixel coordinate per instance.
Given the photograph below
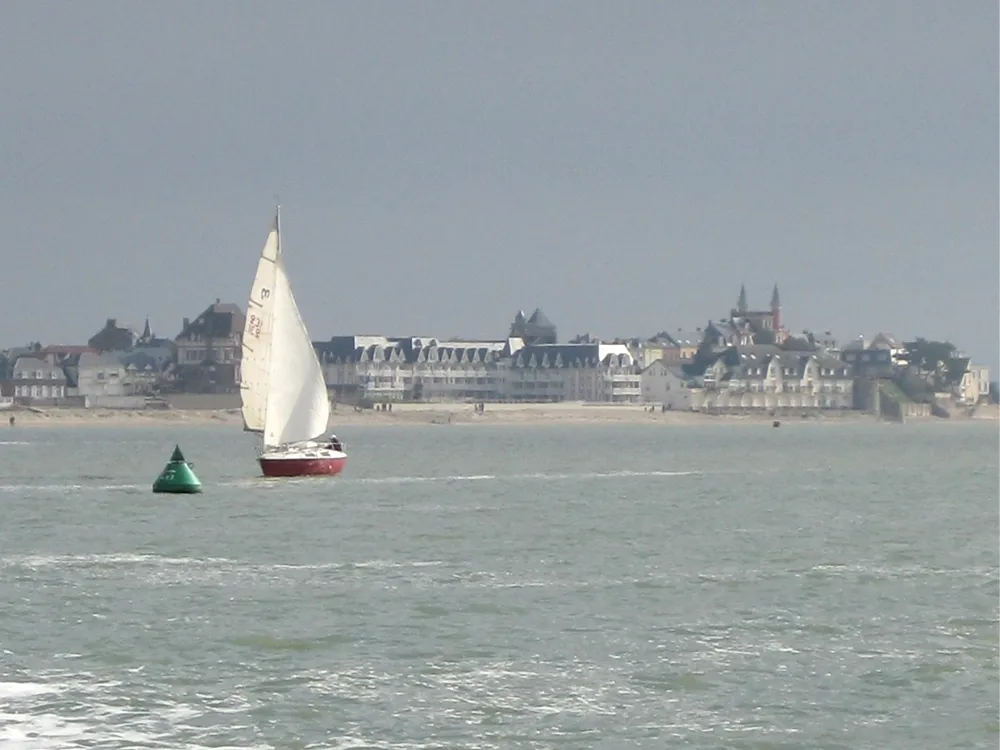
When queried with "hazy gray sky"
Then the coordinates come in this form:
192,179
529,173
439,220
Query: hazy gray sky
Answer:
626,166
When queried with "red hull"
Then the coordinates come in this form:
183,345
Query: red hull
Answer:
301,467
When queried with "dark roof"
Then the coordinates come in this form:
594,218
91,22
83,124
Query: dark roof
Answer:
748,360
411,350
539,319
567,355
216,321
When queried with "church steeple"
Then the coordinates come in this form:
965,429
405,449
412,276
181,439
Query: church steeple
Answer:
147,334
741,305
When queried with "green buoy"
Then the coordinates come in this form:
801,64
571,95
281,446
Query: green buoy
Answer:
177,476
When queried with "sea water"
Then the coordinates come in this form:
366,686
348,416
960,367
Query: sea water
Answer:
717,586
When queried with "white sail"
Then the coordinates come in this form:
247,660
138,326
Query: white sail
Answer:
298,407
284,391
257,336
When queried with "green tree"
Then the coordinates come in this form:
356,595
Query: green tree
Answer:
935,362
703,358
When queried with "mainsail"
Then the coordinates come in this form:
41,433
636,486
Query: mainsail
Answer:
282,386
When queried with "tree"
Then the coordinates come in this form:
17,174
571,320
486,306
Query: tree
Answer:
703,358
935,362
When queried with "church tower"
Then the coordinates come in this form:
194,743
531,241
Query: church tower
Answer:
147,334
741,305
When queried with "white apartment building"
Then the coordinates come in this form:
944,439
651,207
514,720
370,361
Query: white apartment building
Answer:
765,377
430,369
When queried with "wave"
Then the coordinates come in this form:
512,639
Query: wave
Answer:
536,476
68,486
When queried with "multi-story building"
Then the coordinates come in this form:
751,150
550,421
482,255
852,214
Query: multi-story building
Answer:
429,369
866,360
415,367
767,377
974,386
35,380
209,349
573,372
666,384
100,375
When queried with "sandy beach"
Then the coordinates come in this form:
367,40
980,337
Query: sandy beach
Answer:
449,414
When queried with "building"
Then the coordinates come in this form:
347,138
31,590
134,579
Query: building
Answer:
982,375
113,337
209,348
592,372
685,345
419,368
888,342
766,377
974,386
424,368
100,375
666,385
766,323
148,369
867,361
722,334
35,380
65,355
537,329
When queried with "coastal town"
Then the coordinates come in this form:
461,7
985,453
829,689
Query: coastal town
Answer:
742,362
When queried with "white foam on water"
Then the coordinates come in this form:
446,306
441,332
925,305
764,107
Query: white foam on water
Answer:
67,487
30,719
14,690
537,476
108,559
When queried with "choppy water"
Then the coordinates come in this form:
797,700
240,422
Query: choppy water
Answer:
475,587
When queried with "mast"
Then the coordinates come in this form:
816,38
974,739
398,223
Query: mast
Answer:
277,226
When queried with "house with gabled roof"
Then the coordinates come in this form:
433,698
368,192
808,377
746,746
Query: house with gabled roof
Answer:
35,381
209,349
667,385
100,375
866,359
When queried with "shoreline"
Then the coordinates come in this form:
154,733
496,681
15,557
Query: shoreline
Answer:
529,415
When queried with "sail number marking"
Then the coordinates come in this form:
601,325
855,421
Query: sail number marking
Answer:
265,293
253,325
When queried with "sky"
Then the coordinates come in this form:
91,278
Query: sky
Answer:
623,166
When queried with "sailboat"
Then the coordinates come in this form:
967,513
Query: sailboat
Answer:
282,388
